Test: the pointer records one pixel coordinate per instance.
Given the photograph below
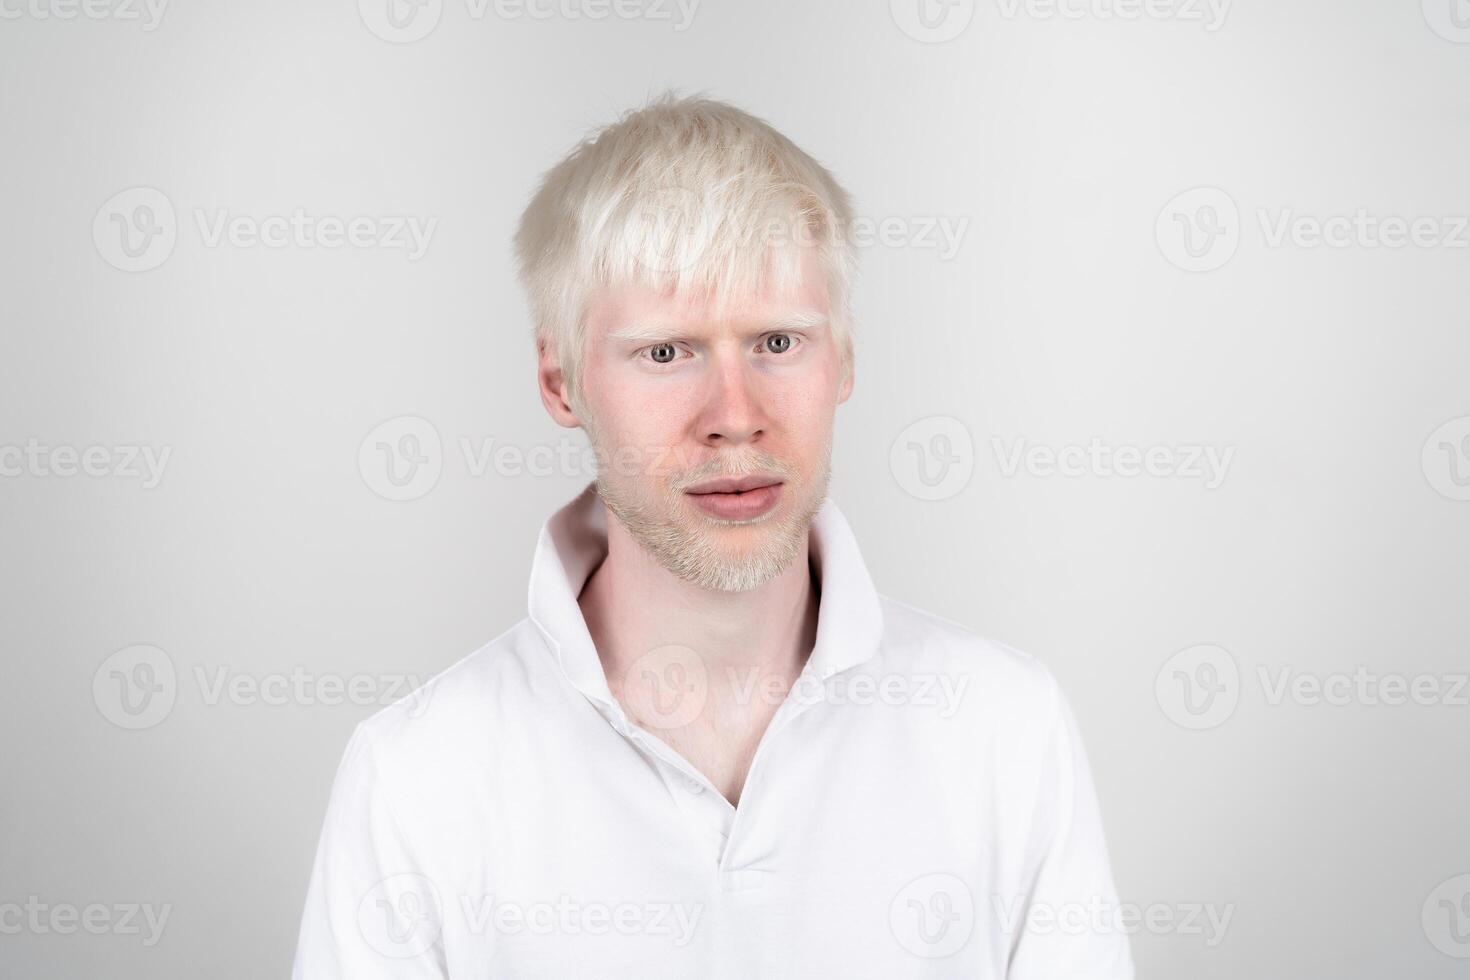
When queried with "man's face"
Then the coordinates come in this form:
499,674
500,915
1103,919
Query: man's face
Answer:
691,399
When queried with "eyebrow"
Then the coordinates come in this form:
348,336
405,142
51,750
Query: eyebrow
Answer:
800,320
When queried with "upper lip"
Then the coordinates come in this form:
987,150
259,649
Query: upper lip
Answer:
734,484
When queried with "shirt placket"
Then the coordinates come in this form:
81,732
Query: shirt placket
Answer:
695,796
718,822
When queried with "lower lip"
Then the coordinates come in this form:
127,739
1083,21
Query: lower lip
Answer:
738,506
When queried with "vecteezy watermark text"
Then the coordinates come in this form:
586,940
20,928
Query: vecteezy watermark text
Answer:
407,21
306,688
1362,686
566,916
1099,917
671,685
406,232
404,915
122,462
1209,13
1201,686
403,458
148,12
40,918
1200,229
1363,229
137,229
1208,464
137,687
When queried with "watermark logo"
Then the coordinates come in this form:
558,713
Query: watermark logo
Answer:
667,687
1446,917
400,21
1198,687
932,21
670,231
934,458
402,459
135,229
402,916
1199,229
1450,19
932,916
1446,459
136,687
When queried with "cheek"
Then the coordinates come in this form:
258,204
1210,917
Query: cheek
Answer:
804,405
814,440
640,436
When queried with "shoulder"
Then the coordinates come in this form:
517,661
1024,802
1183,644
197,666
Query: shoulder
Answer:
999,713
464,708
917,640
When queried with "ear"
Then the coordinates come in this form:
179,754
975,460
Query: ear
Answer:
552,384
846,387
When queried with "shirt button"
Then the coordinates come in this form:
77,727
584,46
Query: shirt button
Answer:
693,785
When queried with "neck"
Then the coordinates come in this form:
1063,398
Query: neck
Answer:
633,605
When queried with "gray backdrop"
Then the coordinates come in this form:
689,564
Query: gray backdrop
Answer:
1162,377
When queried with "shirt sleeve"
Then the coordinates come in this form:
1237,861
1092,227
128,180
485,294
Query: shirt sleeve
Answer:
371,912
1071,927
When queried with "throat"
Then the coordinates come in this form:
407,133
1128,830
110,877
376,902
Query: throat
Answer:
720,743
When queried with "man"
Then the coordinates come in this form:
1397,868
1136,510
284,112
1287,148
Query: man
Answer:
711,749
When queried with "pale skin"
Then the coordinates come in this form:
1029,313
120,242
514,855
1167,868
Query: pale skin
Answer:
696,398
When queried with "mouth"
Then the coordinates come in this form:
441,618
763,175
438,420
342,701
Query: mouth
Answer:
743,499
737,485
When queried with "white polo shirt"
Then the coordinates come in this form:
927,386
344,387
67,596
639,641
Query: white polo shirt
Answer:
920,806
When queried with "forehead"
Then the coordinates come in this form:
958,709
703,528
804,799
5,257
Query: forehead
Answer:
627,308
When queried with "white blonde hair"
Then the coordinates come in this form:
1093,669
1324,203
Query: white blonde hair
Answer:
684,195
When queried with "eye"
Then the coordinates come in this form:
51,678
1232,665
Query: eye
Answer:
780,343
663,353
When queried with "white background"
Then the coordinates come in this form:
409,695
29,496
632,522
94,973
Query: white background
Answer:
1059,140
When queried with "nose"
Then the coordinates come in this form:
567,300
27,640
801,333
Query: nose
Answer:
734,413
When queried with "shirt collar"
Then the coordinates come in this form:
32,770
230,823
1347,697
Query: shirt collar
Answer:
573,542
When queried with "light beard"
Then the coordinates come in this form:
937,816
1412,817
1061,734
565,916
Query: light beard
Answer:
692,549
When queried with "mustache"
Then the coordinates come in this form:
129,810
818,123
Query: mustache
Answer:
750,464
